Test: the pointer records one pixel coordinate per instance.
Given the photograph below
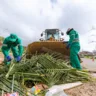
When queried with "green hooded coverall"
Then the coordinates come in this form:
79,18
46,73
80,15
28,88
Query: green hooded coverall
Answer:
14,43
74,49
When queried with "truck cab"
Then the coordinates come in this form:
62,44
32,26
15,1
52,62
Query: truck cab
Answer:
52,34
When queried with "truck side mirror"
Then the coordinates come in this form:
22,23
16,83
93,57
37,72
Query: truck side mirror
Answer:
62,33
41,34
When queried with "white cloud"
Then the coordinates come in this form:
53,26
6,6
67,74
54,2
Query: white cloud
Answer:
28,18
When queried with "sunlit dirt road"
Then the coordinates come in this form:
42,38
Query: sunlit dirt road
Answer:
90,64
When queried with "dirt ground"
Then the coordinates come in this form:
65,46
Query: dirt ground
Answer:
87,89
89,64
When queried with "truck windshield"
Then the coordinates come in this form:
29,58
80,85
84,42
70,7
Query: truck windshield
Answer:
54,35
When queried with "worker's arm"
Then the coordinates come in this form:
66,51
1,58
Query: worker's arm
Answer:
5,42
20,47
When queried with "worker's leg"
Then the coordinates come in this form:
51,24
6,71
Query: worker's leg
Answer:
77,49
71,58
74,57
5,51
15,51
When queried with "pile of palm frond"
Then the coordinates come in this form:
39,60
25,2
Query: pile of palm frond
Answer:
41,69
6,86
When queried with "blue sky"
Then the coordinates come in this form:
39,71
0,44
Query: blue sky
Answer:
28,18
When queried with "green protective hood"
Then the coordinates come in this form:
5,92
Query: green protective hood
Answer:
69,30
12,37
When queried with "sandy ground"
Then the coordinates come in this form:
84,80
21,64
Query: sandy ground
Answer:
87,89
89,64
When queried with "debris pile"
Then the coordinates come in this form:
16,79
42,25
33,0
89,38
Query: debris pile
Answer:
43,69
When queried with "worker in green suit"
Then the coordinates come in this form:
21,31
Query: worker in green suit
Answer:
74,46
14,43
